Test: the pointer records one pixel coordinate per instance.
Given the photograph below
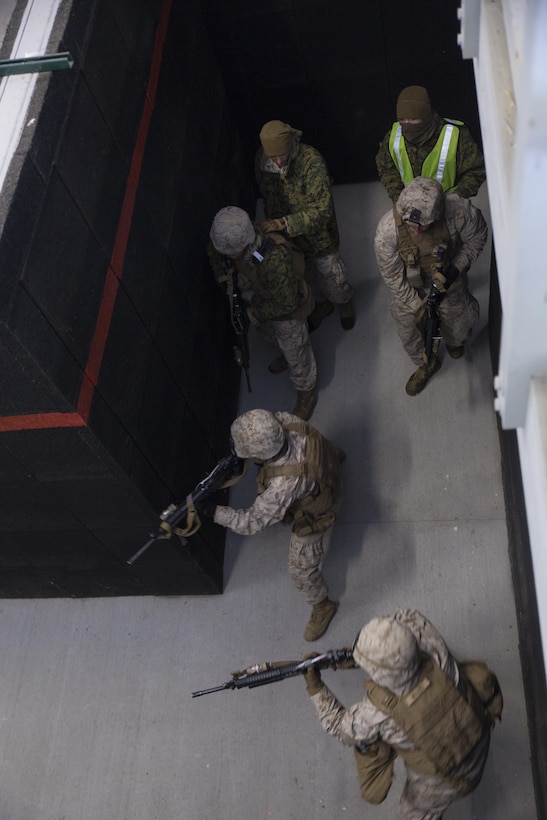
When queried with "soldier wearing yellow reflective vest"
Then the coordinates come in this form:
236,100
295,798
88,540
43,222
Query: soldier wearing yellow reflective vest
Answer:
421,143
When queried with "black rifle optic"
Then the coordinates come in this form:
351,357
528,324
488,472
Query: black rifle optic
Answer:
229,467
271,672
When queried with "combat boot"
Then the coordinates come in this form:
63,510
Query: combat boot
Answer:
321,616
278,365
347,315
320,312
420,378
305,404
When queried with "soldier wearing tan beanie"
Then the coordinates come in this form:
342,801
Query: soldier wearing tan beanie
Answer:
421,143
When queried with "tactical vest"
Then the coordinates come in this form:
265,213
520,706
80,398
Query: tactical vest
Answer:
322,464
443,725
440,163
248,278
423,252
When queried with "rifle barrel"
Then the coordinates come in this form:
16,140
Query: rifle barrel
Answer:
142,549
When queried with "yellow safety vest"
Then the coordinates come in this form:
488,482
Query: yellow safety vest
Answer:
440,163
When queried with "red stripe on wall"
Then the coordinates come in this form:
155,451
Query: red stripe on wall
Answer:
40,421
115,270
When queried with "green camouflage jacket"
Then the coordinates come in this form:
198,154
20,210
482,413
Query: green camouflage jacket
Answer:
303,195
270,288
470,162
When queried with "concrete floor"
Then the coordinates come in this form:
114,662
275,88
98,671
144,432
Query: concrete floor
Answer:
98,722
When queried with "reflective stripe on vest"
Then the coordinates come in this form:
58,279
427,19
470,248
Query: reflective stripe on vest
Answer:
440,163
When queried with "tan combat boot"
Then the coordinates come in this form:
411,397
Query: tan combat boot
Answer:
321,616
305,404
420,378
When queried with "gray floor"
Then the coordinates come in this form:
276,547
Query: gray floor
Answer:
98,721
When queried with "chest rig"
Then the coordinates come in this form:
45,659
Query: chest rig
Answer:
423,253
322,465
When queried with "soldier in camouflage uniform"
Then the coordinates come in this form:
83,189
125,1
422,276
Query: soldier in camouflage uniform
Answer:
412,673
269,273
424,248
294,182
416,146
299,485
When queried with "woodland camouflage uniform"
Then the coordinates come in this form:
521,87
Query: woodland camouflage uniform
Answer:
277,298
300,195
470,172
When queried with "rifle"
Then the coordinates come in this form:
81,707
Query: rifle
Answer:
430,321
240,322
271,672
430,324
229,467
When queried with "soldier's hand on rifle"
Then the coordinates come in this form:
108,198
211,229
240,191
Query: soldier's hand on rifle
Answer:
314,684
273,225
443,277
347,664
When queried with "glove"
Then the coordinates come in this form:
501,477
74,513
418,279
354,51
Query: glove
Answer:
349,664
271,225
314,684
443,277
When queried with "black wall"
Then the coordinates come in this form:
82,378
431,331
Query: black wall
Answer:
152,415
334,69
77,501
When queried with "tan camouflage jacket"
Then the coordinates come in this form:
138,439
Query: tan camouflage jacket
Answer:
469,159
465,223
363,722
303,195
271,506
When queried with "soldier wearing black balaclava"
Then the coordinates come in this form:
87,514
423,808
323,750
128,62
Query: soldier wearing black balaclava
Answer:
422,143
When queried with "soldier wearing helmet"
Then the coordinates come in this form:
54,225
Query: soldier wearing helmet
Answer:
295,185
269,273
424,248
298,484
421,143
420,705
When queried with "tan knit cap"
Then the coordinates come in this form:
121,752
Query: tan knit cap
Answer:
413,103
277,138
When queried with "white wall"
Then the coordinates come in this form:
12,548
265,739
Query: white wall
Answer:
507,40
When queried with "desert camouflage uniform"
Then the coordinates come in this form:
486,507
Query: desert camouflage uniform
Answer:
271,307
271,506
459,311
469,162
423,797
302,194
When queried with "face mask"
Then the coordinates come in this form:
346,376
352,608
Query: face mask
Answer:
417,134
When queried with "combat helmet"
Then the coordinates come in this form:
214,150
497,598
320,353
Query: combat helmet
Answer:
257,434
388,651
232,230
421,202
